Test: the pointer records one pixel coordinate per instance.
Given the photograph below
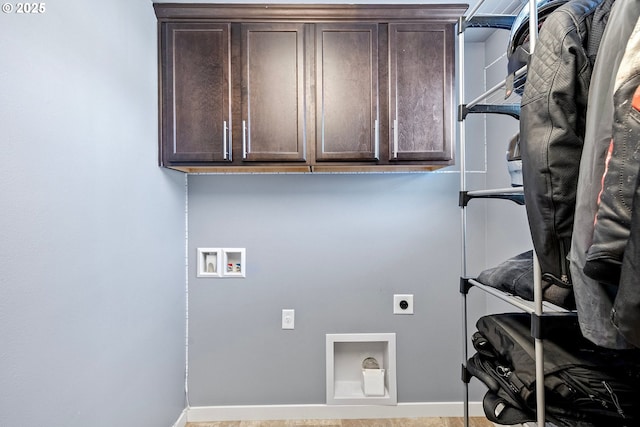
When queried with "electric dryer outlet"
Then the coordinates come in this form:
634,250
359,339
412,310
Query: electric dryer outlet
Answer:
403,304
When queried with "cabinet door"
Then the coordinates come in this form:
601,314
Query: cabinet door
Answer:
196,107
273,92
421,71
347,92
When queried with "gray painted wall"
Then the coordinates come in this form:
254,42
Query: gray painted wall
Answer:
92,254
335,248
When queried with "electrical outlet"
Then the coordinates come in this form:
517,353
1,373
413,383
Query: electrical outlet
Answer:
288,318
403,304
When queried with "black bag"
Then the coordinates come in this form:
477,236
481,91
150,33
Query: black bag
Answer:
585,385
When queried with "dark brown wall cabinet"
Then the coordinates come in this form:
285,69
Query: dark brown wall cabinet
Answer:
306,87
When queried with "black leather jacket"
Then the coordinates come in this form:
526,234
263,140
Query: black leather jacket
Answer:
552,127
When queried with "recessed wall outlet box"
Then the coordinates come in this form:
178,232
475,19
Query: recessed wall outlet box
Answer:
403,304
209,262
288,318
373,382
234,262
345,379
221,262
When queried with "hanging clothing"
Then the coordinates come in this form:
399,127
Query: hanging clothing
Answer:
625,314
552,127
594,300
613,218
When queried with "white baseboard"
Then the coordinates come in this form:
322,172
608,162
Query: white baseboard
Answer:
329,412
182,419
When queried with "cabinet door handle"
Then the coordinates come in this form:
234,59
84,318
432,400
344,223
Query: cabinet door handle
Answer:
224,141
395,138
376,129
244,139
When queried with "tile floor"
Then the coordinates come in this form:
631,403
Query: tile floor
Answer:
391,422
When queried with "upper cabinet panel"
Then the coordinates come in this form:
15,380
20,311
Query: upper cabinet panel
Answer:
420,102
196,113
273,92
347,92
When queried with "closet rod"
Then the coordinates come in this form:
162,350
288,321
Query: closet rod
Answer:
537,279
463,214
508,190
525,305
495,89
474,10
504,297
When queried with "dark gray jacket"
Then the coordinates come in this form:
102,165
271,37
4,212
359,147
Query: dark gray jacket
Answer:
625,314
594,300
552,127
618,219
613,217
